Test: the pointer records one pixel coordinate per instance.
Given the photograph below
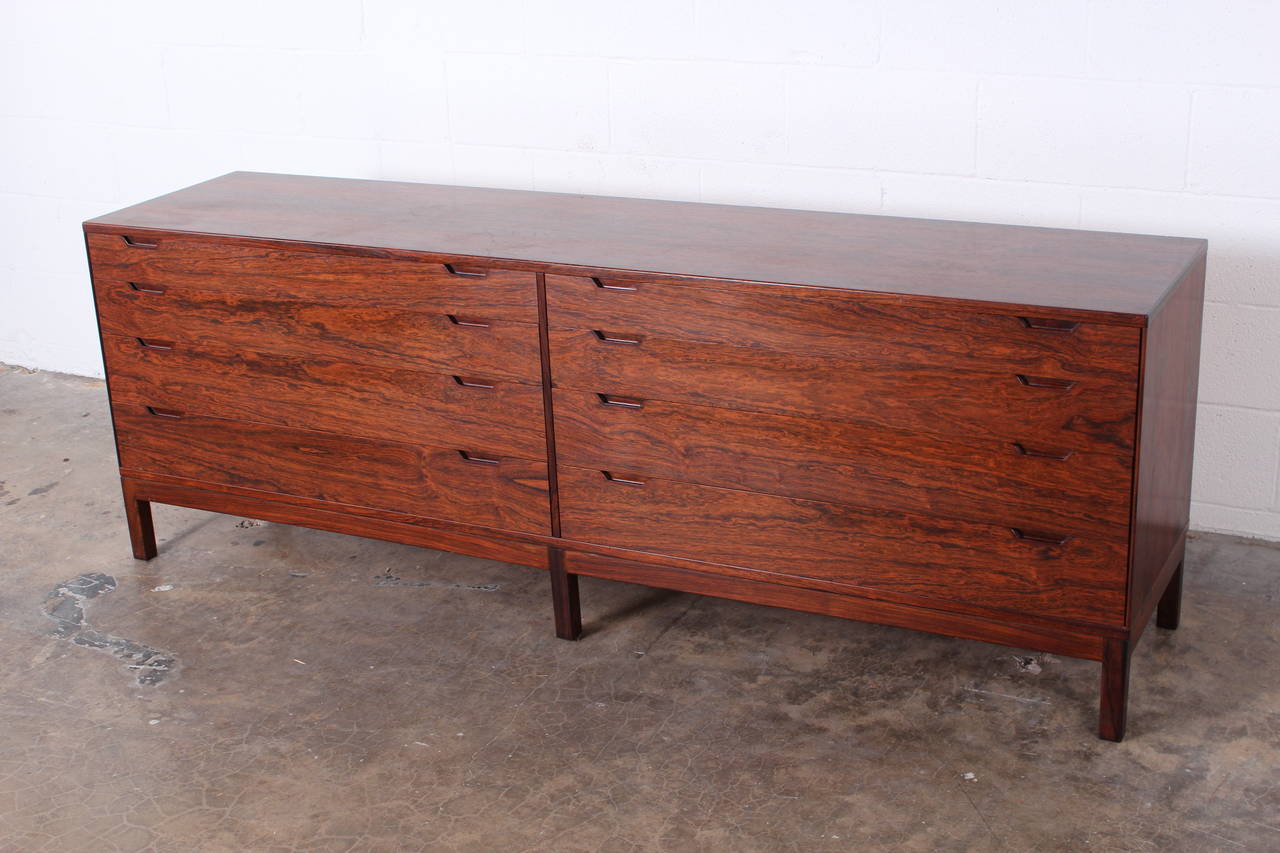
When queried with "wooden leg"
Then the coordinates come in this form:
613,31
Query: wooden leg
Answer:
564,599
141,532
1169,611
1115,690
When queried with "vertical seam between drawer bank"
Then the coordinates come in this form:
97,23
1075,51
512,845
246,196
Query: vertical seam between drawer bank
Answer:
548,414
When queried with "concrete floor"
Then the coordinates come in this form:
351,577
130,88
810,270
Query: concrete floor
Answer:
261,687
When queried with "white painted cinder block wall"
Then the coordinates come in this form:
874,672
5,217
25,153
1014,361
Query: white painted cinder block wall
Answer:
1157,117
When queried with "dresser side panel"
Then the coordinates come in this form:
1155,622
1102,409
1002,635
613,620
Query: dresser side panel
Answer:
1166,442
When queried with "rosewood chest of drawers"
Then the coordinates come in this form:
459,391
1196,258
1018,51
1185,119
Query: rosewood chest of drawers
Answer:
976,430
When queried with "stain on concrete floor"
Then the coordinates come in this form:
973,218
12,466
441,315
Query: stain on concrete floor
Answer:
426,717
66,605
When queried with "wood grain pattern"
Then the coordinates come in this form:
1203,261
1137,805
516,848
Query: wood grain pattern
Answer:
1095,415
1003,616
1085,493
940,559
1055,640
379,336
361,400
434,482
831,324
409,530
1167,429
1122,275
311,274
304,504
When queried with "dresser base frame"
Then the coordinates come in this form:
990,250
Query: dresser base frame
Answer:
1113,649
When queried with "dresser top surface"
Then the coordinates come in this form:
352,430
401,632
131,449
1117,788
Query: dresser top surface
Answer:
1119,274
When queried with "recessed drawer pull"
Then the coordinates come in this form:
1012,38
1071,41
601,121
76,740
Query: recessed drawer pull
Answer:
1039,536
147,288
617,337
468,321
1048,324
472,383
153,343
1042,454
454,269
163,413
478,458
136,243
312,450
604,285
629,479
621,402
1046,382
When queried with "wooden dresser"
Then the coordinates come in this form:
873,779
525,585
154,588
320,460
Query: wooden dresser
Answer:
976,430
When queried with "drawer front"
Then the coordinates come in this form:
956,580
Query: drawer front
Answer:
928,558
498,416
503,493
249,268
441,343
1040,411
820,323
1002,482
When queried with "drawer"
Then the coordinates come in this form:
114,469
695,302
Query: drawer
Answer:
814,322
369,401
1087,414
1003,482
253,268
503,493
441,343
1073,577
